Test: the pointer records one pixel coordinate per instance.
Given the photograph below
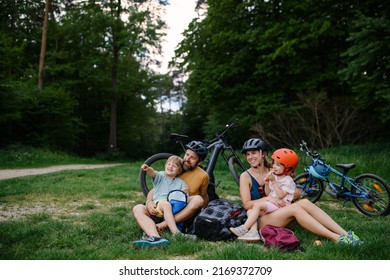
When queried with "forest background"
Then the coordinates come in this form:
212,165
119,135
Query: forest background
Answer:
80,76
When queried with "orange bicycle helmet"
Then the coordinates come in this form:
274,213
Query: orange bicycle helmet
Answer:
286,157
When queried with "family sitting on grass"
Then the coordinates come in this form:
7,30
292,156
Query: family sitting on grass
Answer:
274,206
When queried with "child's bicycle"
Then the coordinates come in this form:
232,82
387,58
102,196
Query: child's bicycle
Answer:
217,146
368,192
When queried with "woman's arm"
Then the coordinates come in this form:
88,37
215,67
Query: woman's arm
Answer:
245,193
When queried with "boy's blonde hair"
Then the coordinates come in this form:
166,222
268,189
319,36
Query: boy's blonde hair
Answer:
176,161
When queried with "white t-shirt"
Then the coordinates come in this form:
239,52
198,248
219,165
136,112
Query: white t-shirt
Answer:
287,184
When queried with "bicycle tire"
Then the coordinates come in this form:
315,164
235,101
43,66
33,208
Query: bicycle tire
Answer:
309,186
235,169
157,161
378,203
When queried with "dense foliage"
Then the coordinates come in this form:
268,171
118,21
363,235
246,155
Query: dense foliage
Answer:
291,69
287,70
97,90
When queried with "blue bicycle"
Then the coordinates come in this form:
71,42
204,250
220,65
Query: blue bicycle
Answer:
368,192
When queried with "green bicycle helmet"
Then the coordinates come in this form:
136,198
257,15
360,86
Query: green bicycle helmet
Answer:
198,148
254,144
319,170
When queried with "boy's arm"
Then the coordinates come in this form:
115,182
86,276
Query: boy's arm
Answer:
148,169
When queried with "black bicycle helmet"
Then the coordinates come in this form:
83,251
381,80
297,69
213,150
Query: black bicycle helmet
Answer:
198,148
254,144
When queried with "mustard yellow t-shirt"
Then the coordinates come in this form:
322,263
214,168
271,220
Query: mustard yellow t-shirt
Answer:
196,180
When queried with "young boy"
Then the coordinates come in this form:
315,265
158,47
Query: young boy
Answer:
164,182
279,184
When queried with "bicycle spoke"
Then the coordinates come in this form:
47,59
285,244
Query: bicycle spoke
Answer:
310,187
376,200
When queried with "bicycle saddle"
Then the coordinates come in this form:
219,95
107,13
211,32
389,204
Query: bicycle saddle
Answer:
346,167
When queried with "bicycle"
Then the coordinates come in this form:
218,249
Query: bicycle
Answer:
218,147
369,193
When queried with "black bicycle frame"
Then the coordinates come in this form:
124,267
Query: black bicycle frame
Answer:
219,147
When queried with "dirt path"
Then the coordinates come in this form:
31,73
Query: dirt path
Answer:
12,173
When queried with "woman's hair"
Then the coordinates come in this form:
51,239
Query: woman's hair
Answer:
267,163
176,161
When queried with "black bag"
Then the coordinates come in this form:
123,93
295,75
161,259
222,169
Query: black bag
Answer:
214,221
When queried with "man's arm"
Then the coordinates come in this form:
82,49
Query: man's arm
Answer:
203,192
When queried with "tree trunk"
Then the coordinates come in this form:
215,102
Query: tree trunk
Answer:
113,121
112,145
43,45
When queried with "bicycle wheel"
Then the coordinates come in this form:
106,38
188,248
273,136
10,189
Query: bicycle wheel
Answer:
377,202
157,161
310,187
235,169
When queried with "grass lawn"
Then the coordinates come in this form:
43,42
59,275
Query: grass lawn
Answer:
87,215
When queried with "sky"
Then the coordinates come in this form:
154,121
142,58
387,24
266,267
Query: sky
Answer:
179,14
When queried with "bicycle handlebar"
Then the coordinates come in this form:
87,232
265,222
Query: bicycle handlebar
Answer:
304,148
222,134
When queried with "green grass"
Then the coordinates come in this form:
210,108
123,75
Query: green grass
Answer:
87,215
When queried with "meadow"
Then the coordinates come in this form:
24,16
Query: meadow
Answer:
87,214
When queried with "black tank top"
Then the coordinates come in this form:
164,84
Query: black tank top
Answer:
257,190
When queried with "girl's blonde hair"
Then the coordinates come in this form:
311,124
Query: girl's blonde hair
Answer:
176,161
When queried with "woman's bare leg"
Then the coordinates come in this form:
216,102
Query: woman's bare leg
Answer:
285,215
321,217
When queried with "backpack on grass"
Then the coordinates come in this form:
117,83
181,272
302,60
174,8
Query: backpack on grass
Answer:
279,237
213,222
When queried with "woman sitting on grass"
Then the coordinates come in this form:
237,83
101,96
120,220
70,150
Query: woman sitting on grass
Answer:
279,183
